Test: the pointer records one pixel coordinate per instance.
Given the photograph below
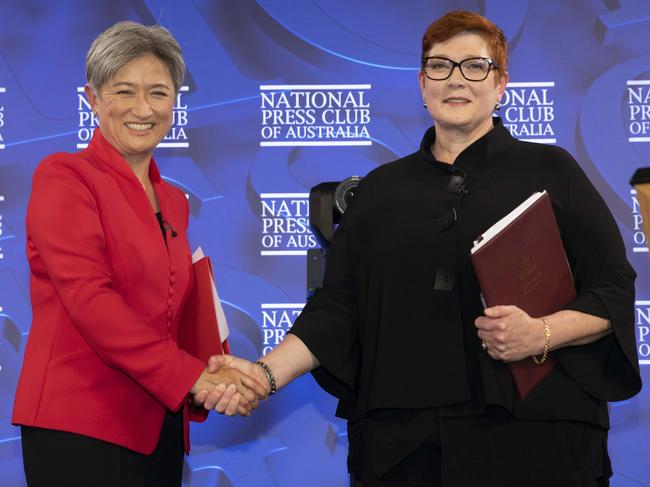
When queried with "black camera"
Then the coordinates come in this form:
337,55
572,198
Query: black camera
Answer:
327,203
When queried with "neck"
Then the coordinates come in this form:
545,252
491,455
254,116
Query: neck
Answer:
141,171
451,141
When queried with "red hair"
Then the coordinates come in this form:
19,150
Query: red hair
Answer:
453,23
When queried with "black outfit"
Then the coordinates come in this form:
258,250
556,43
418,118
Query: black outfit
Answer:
393,324
52,457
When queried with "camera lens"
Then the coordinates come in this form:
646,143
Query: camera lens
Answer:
344,193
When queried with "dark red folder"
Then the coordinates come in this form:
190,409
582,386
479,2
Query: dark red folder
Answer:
198,332
523,263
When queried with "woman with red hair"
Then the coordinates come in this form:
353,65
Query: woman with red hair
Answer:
398,332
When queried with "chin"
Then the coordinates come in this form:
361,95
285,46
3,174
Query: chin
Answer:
455,122
141,149
143,143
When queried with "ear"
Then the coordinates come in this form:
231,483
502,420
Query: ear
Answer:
421,81
502,83
92,97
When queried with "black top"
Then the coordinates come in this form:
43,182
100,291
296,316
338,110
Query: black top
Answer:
393,324
161,222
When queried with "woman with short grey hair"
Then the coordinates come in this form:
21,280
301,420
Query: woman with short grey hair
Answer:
104,395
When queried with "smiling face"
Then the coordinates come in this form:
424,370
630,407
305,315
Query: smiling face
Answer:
457,105
135,107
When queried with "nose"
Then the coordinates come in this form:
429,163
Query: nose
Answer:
141,107
456,75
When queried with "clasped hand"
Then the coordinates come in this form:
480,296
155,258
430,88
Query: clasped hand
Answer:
509,333
230,386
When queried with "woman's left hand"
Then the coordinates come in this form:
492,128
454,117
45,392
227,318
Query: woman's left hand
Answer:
509,333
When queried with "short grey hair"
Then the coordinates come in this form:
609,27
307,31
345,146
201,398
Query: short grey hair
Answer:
125,41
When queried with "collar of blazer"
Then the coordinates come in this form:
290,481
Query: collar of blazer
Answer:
101,152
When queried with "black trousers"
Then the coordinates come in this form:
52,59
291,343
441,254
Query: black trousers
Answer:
482,451
53,458
421,468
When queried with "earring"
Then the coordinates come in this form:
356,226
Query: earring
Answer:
497,107
424,103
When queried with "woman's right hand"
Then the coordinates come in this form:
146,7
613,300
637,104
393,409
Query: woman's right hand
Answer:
230,400
228,391
217,362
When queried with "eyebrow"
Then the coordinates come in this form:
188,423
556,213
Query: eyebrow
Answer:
126,83
471,56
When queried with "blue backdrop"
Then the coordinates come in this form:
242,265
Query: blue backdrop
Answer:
281,95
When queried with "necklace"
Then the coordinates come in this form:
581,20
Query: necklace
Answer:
143,181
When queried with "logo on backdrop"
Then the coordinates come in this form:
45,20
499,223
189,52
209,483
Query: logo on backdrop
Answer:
285,224
642,325
528,111
638,102
2,119
639,243
277,320
175,138
315,115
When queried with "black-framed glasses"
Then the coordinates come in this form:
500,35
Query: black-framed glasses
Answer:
439,68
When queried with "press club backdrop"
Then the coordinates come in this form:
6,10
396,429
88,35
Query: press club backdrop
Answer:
281,95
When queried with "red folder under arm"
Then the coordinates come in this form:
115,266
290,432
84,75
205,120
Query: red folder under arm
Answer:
198,332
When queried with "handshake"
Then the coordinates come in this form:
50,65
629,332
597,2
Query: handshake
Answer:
231,385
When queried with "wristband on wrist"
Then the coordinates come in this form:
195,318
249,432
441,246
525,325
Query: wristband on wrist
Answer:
269,377
547,343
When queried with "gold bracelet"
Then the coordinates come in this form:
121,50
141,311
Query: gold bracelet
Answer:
547,343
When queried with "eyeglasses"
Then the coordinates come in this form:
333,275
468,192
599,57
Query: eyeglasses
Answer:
473,69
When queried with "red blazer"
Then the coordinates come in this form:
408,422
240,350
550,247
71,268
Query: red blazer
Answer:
101,358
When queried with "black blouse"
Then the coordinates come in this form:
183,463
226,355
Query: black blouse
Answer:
393,324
